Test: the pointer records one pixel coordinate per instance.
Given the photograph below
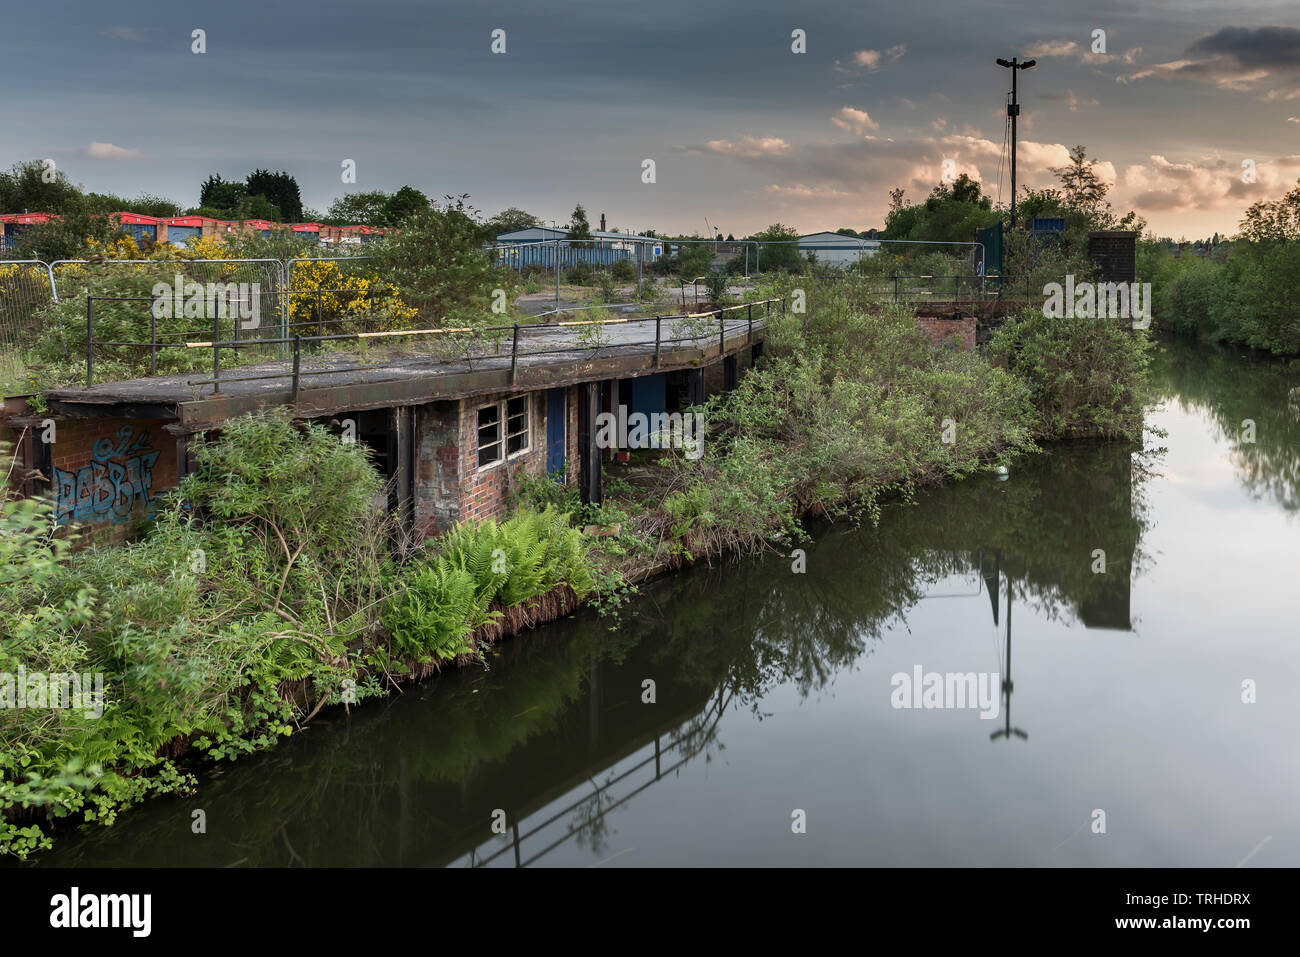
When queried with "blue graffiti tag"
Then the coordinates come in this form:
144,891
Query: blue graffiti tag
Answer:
109,488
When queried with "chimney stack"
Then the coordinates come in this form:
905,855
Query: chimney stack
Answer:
602,222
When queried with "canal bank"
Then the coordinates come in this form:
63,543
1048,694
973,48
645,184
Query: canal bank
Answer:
221,686
773,691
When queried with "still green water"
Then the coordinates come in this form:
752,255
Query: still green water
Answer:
775,690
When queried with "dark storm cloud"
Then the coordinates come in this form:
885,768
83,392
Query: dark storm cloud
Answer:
1264,59
1276,47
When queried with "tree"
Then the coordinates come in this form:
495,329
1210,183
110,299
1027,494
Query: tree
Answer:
256,207
403,204
579,228
1273,220
896,201
35,187
951,213
359,209
783,253
1047,203
1083,189
221,194
845,231
439,264
508,220
694,259
145,205
280,188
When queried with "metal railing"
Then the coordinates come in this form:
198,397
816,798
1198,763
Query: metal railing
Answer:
481,334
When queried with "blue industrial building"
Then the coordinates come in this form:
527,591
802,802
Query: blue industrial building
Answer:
540,245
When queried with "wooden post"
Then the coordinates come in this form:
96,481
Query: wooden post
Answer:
730,372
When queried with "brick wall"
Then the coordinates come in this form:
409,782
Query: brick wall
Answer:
107,475
941,331
1115,253
450,487
437,467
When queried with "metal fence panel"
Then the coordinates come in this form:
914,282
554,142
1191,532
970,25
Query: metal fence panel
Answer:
262,279
25,288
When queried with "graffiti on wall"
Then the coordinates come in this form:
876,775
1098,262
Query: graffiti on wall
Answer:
118,478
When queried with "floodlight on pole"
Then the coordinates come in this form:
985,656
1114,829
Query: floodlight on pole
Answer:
1013,110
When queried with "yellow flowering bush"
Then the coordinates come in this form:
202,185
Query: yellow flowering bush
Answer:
344,298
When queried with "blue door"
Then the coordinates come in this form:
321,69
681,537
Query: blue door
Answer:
181,235
554,430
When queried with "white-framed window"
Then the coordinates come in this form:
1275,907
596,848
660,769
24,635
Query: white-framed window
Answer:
518,425
504,430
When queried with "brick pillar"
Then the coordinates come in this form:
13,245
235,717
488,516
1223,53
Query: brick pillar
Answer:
1114,251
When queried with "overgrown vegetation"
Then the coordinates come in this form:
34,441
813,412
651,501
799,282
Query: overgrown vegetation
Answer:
268,587
265,589
476,573
853,406
1242,293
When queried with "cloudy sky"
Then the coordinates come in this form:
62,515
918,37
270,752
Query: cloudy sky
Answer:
742,130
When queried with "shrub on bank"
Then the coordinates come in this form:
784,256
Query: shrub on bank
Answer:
257,592
1087,377
849,404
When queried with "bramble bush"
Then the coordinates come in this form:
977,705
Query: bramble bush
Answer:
1087,377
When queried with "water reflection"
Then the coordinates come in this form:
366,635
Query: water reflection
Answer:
556,733
1235,386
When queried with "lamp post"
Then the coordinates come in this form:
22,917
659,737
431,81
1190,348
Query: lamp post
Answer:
557,270
1013,110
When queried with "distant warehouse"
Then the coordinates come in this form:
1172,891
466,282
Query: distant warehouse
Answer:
539,245
836,249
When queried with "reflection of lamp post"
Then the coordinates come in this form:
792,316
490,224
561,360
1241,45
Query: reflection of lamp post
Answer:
1007,685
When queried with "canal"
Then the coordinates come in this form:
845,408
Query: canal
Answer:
1135,595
